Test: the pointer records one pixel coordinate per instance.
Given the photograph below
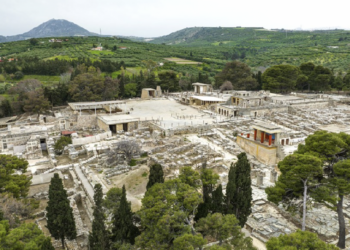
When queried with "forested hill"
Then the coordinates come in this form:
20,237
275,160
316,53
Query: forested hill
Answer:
244,36
51,28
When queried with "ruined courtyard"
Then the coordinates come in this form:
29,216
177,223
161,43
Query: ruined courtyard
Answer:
177,130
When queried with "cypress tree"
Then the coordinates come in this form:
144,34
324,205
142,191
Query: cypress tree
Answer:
239,191
209,180
156,175
98,238
217,200
230,190
47,245
124,231
60,220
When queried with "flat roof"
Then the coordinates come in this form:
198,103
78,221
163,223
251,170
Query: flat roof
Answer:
208,98
199,84
267,127
286,98
117,119
92,105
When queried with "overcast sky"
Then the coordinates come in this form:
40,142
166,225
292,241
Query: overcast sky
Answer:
151,18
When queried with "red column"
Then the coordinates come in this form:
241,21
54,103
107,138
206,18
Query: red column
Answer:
248,135
255,134
262,137
270,140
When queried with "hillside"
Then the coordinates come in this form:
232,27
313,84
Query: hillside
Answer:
261,48
51,28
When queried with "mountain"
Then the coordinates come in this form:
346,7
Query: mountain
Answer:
205,34
51,28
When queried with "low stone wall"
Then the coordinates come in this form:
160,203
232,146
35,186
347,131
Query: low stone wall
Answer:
91,139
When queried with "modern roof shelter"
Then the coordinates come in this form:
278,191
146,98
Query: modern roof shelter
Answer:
200,88
107,105
116,123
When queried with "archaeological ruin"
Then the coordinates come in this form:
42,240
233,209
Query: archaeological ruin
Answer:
176,130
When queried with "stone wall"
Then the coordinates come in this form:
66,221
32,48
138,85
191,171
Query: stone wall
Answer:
91,139
312,104
86,121
267,155
103,125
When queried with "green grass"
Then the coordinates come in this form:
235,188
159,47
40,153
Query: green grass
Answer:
144,174
42,78
103,52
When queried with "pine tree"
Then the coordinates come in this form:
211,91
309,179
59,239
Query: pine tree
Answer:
98,238
230,190
239,190
217,200
156,175
60,220
47,245
124,231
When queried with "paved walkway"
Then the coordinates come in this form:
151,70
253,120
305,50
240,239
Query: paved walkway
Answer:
84,181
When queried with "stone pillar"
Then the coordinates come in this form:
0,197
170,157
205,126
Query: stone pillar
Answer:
273,176
270,140
260,179
262,137
255,134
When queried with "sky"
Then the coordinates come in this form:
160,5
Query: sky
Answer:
153,18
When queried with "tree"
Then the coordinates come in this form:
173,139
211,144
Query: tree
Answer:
217,200
10,180
14,210
338,83
342,187
87,86
239,74
189,242
300,173
60,220
6,108
128,148
280,78
47,245
227,85
239,203
169,81
36,102
149,65
33,41
19,75
130,90
123,229
22,88
221,227
209,180
230,190
167,213
112,199
62,143
298,240
156,175
330,148
111,89
98,238
190,177
26,236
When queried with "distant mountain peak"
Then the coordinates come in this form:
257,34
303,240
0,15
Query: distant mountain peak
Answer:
51,28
